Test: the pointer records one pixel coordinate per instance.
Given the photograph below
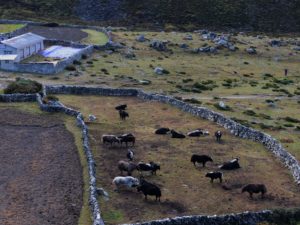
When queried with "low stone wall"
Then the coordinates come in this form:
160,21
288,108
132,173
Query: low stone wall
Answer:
18,98
81,90
245,218
235,128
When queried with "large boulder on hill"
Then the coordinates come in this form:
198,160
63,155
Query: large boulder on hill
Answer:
158,45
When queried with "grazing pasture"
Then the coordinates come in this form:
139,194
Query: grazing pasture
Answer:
41,178
5,28
185,189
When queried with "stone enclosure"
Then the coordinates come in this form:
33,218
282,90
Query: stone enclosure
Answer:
235,128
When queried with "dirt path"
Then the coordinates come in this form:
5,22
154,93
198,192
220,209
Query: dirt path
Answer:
40,172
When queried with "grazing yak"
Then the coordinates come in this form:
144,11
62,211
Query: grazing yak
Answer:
176,134
149,189
125,182
218,135
121,107
123,114
198,133
130,154
231,165
201,159
255,188
215,175
162,130
127,138
110,139
153,167
129,167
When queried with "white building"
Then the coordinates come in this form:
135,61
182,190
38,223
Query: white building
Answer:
16,49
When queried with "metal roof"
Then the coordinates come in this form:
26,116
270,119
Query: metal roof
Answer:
8,57
23,40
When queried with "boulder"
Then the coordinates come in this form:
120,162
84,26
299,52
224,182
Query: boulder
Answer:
275,43
129,54
222,105
183,45
251,51
188,37
141,38
159,71
145,82
159,45
296,48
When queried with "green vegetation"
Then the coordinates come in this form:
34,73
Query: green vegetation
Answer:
6,28
23,86
95,37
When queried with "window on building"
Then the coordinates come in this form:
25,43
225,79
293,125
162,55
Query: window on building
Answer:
6,61
7,52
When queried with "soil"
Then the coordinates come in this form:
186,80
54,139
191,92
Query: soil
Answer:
61,33
40,173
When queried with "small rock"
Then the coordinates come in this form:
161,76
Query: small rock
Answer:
92,118
183,45
296,48
145,82
222,105
159,71
141,38
251,51
188,37
158,45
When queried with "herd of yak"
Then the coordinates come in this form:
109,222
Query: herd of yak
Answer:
151,189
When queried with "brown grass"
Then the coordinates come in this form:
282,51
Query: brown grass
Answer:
185,190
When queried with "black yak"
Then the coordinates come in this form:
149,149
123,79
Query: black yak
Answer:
123,114
121,107
176,134
255,188
218,135
162,130
149,189
215,175
153,167
201,159
231,165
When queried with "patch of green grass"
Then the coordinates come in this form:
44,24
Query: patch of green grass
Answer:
95,37
6,28
113,217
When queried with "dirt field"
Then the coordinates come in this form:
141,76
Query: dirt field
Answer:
40,172
185,190
61,33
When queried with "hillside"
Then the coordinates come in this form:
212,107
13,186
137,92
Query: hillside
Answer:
262,15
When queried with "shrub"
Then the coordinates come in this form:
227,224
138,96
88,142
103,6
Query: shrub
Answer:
288,125
250,113
192,100
71,68
243,122
265,116
187,80
76,62
84,56
23,86
291,120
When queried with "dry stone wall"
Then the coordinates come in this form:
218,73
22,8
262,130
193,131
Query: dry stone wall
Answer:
17,98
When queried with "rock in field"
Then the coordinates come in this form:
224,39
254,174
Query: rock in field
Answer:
141,38
251,51
158,45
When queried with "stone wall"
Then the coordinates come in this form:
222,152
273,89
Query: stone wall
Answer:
245,218
17,98
235,128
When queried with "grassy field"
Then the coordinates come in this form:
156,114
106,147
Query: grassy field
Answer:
5,28
95,37
85,217
180,182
